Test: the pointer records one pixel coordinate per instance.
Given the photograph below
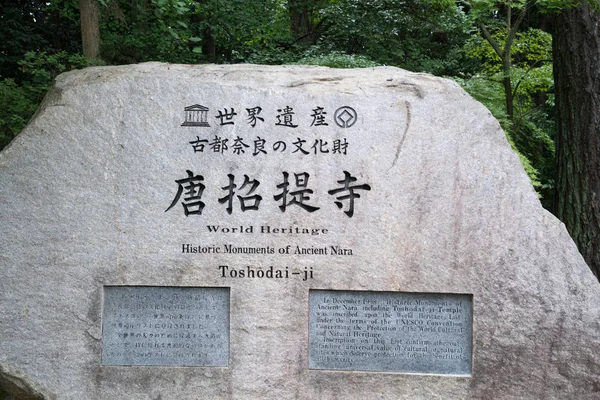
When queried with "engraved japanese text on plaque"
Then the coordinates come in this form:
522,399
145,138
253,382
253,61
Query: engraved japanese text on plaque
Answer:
169,326
427,333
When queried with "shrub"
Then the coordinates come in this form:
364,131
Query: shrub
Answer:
19,101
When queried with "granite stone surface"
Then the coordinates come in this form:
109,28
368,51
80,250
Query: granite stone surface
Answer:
271,183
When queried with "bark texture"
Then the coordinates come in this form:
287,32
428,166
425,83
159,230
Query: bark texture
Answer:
300,20
90,28
576,48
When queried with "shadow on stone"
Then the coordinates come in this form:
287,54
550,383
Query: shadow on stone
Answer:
13,388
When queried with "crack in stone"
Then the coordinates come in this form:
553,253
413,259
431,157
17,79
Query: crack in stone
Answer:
399,147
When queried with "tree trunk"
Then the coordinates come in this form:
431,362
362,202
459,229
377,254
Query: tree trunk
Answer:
90,28
576,48
506,82
209,48
300,23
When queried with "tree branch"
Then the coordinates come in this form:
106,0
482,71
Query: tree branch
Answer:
514,93
512,30
488,36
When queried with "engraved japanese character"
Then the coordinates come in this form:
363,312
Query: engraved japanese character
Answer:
226,117
259,146
298,143
298,196
285,117
253,115
218,145
320,146
198,144
318,117
194,189
246,202
350,190
279,145
238,145
339,146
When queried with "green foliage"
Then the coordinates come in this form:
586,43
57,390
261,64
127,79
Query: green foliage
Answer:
18,102
335,59
531,171
555,6
31,25
481,9
532,81
40,69
271,54
16,107
532,47
416,35
17,34
531,71
140,30
489,93
530,134
245,31
187,31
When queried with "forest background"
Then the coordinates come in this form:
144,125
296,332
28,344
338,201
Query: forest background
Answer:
501,52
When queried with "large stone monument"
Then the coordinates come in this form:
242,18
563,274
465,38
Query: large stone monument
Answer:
248,232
